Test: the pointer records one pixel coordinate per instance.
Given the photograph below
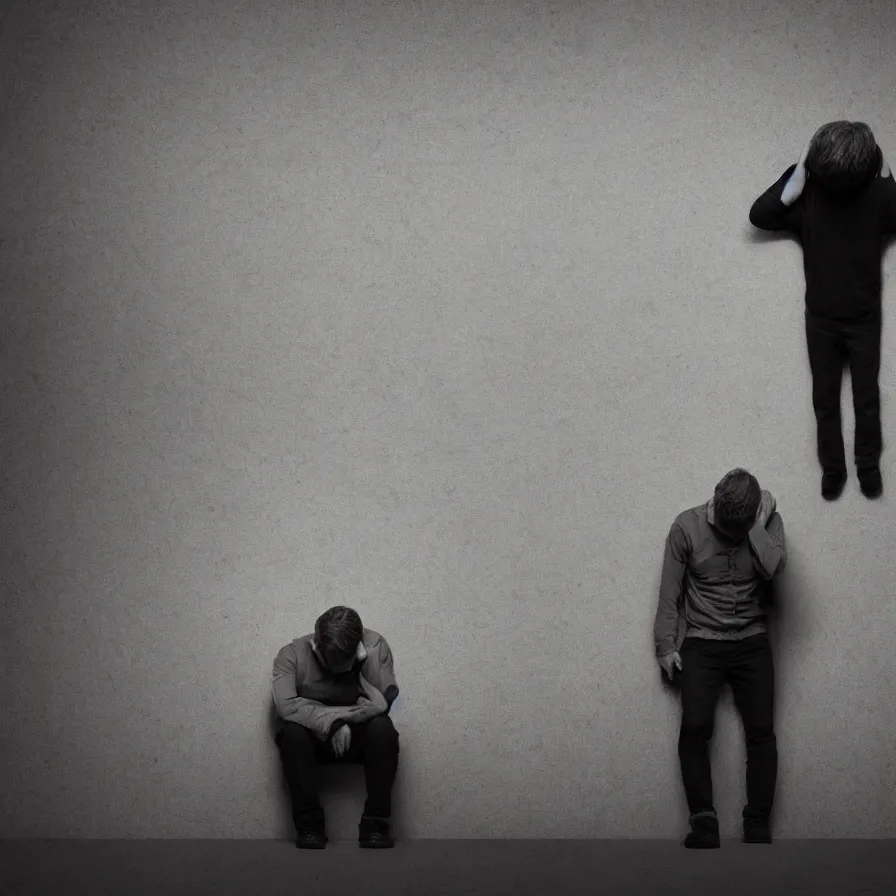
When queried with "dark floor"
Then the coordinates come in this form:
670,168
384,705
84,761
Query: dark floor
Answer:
436,867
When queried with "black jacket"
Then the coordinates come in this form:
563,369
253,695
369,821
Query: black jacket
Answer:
841,226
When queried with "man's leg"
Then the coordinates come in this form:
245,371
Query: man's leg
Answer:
826,359
375,743
863,341
299,755
702,676
752,677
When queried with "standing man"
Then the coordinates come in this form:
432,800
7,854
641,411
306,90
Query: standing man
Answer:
720,559
839,200
333,690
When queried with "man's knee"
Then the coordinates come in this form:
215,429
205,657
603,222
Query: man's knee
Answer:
293,736
867,403
380,730
695,729
760,729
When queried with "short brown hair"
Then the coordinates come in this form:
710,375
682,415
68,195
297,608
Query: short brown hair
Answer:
737,498
338,632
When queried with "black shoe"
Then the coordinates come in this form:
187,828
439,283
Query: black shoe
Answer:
832,482
313,839
373,833
704,833
757,830
871,482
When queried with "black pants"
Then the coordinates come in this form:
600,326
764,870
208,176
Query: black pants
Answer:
748,666
373,743
831,344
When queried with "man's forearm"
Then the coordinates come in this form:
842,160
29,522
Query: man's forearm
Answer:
768,211
665,625
797,181
769,546
304,712
666,621
348,715
793,189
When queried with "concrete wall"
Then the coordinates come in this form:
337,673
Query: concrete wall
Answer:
442,311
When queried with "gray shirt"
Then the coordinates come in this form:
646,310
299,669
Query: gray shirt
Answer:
719,584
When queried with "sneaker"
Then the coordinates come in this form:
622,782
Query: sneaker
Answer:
373,833
871,482
832,483
704,832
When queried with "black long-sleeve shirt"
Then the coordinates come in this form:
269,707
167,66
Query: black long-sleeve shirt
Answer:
841,229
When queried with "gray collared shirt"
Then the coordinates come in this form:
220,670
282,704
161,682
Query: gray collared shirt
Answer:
718,583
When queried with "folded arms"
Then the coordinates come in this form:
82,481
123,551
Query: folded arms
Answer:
319,718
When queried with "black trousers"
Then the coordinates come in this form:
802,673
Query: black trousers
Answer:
832,344
373,743
747,665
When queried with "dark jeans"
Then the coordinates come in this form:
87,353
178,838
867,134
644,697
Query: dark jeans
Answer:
747,665
831,344
373,743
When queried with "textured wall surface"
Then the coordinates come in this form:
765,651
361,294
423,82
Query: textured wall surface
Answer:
444,311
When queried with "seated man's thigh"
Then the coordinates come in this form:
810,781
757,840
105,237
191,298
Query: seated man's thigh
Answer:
379,729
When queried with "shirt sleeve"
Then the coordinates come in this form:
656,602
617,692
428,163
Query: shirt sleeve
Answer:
311,714
888,204
675,564
387,671
770,213
769,547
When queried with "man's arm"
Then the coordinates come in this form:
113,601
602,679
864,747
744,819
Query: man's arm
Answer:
888,209
320,719
675,565
769,546
387,672
777,208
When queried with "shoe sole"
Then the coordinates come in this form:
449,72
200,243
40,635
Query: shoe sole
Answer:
713,843
310,844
